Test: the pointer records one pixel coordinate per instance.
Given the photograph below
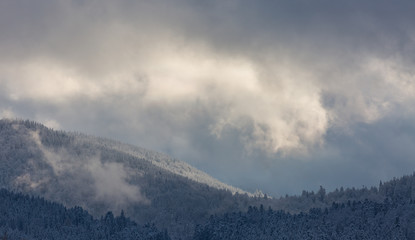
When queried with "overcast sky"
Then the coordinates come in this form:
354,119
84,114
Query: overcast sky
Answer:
273,95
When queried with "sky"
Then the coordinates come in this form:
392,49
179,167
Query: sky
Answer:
281,96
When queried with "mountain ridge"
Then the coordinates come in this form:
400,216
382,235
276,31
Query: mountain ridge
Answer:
163,161
103,175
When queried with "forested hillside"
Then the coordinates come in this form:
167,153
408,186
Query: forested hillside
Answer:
102,175
384,212
26,217
353,220
397,189
389,215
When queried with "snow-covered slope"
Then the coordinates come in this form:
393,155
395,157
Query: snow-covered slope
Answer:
161,160
102,175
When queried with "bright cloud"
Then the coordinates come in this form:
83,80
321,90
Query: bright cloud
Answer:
280,104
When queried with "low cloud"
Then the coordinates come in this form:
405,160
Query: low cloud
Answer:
110,184
106,181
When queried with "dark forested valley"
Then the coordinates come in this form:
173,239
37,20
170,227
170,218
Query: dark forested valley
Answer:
28,217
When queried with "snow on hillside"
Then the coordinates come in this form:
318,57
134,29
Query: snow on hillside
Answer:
103,175
163,161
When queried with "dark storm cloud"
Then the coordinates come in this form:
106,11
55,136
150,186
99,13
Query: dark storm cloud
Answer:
254,92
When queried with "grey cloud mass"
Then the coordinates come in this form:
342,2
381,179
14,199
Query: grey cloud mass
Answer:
275,95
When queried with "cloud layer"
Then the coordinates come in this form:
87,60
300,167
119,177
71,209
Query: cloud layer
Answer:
274,78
